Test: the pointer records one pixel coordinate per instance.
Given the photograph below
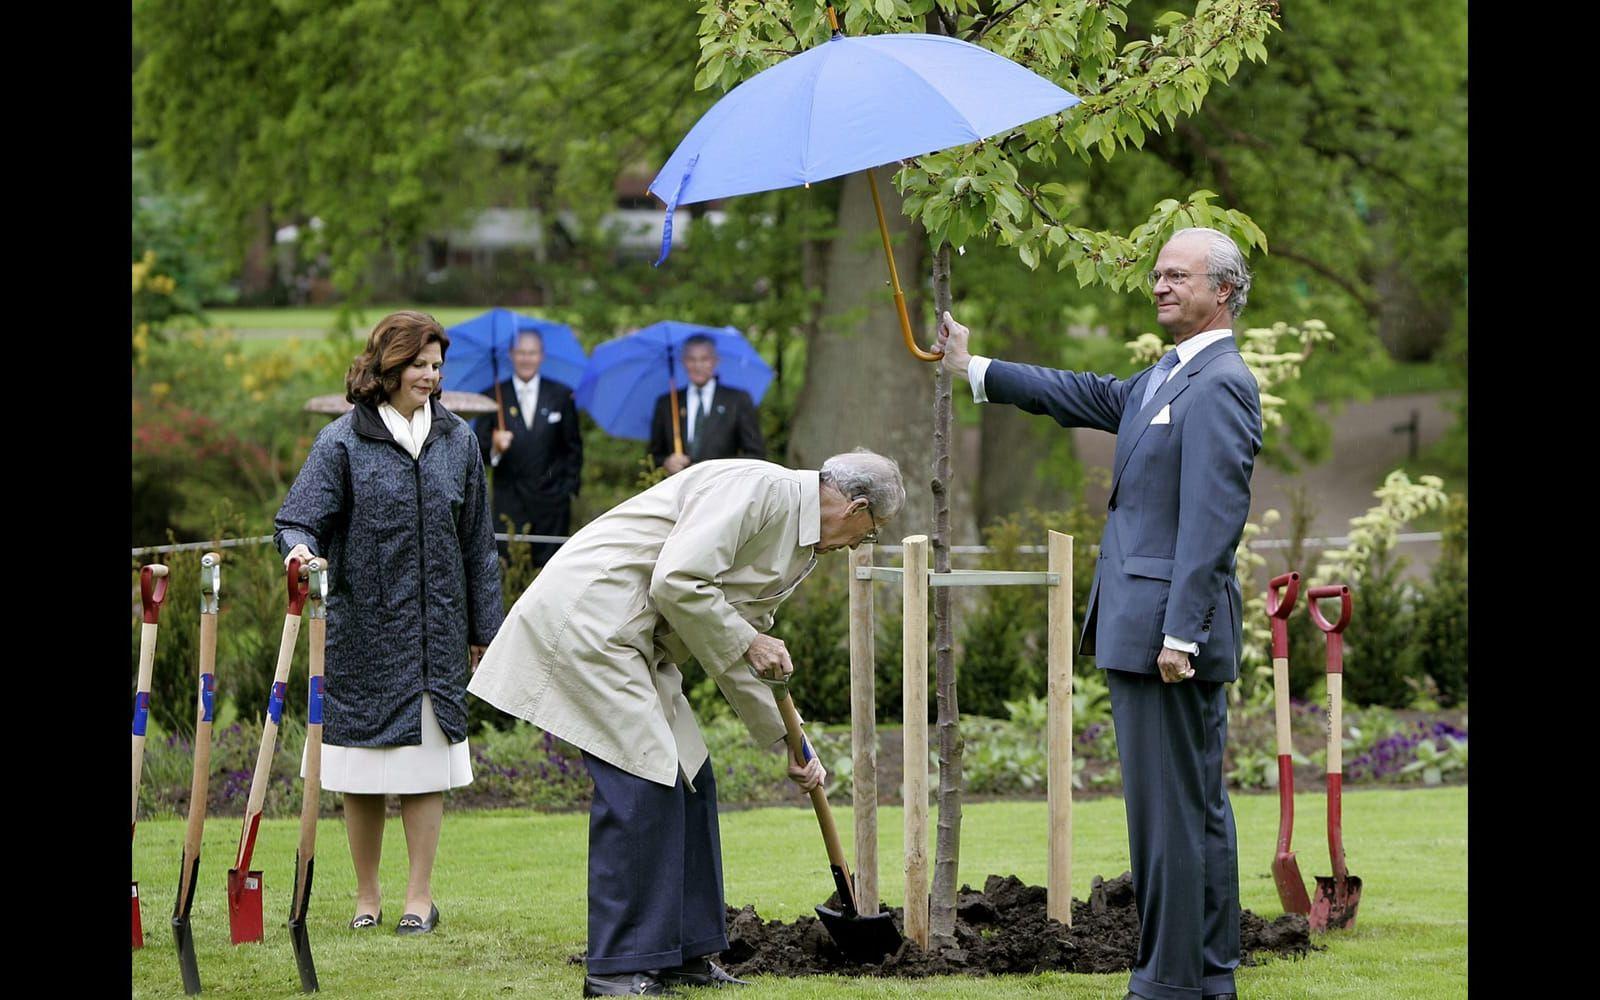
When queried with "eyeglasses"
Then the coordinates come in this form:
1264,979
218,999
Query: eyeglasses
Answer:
1173,277
871,537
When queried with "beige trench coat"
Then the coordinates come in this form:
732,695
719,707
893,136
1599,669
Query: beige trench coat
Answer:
695,565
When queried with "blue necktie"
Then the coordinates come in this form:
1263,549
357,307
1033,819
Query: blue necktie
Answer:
1158,378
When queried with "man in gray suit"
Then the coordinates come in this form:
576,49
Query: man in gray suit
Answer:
1164,619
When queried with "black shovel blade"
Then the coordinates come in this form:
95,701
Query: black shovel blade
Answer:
864,940
183,933
299,939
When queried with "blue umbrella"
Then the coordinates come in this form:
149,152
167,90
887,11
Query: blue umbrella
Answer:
480,351
851,104
627,375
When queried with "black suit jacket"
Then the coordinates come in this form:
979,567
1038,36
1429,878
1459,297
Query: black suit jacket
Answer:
541,469
733,430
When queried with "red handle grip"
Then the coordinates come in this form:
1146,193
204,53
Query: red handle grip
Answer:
152,591
299,586
1279,610
1339,590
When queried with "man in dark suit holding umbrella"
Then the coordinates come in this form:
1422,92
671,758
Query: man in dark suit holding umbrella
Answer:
714,421
538,458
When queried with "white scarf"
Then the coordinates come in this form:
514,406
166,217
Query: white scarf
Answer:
410,433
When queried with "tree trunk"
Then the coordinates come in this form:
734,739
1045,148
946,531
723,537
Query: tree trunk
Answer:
947,854
857,354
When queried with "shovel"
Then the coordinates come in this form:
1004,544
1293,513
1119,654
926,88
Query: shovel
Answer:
305,855
1285,870
205,703
244,885
1338,895
152,591
863,939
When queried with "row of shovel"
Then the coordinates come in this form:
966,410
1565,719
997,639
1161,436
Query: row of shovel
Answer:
1338,894
307,583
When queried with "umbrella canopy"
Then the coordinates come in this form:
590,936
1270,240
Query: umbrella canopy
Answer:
480,351
627,375
463,404
849,104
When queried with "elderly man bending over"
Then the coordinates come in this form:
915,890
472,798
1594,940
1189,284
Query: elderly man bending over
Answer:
694,566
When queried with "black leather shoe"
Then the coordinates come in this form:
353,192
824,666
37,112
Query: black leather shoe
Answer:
413,924
700,972
363,921
624,984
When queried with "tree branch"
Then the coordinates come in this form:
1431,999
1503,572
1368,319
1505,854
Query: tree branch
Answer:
990,22
1350,288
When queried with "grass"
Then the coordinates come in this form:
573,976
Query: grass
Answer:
300,321
1401,378
510,889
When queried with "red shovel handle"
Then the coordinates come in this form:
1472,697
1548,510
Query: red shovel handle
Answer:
152,591
1342,592
299,583
1279,609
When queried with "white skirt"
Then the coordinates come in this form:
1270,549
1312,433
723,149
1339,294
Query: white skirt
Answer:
435,766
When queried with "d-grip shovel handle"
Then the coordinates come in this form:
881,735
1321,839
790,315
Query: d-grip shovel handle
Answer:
153,581
1279,609
1335,639
297,578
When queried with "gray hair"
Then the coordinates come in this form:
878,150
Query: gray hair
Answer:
863,473
1225,263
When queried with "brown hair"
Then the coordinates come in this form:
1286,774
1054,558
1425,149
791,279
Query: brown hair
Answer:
393,344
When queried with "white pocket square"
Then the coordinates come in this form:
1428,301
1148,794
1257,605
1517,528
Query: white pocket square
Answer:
555,416
1164,417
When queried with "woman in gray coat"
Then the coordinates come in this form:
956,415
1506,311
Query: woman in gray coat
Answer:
393,495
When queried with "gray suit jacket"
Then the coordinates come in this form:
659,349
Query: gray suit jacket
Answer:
1180,494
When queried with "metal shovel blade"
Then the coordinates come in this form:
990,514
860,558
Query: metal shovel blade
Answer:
183,934
244,906
138,926
1291,885
866,940
298,937
1336,902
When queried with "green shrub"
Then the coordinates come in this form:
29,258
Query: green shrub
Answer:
1441,626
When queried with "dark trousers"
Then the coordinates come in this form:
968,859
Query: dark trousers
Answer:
1181,839
553,518
655,871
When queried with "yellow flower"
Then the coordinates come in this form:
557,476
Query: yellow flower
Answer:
160,389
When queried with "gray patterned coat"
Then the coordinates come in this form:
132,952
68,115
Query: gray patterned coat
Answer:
414,577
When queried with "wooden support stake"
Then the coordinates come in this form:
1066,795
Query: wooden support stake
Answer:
1058,784
863,734
914,715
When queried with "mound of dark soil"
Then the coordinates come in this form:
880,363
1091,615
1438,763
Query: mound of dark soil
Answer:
1002,929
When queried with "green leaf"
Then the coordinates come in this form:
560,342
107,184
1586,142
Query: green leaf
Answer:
1029,257
1011,202
885,9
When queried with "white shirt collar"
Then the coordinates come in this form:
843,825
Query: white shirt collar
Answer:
709,389
1199,342
525,387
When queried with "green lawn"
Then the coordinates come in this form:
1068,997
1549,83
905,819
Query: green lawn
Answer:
314,319
510,889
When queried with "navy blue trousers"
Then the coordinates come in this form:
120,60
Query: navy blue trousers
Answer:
655,871
1181,838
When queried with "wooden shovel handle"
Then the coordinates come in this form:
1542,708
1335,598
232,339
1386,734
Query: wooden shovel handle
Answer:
269,732
796,739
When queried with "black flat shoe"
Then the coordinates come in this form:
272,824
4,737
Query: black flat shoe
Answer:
413,924
699,972
364,920
624,984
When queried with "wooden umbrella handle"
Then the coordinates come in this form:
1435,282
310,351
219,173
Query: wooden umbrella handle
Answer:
894,279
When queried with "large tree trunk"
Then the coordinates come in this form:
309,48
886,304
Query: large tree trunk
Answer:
947,853
861,387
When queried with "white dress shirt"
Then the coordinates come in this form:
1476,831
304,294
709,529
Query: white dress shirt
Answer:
979,366
695,395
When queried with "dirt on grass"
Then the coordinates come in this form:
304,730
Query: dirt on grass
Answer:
1002,929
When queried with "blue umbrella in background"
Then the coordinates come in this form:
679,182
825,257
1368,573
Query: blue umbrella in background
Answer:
627,375
851,104
480,352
